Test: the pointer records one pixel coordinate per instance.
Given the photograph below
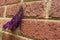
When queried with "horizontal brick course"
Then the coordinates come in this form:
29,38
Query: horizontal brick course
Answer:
2,9
55,8
10,1
7,36
3,2
34,9
41,29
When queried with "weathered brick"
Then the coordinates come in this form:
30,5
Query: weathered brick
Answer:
12,10
3,21
2,9
2,2
34,9
10,37
55,8
10,1
41,29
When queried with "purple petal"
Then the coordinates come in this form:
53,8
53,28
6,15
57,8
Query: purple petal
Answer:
6,25
15,21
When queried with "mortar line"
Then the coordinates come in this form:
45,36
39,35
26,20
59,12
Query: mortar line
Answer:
36,19
45,0
48,8
4,15
22,1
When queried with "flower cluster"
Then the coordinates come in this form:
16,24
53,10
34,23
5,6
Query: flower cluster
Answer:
15,21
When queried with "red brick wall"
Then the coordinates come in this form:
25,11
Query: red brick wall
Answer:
41,19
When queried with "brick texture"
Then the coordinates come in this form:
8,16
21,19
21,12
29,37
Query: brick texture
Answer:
10,37
41,29
34,9
10,1
3,2
55,8
12,10
2,9
36,25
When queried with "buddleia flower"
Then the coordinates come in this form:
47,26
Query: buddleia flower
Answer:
15,21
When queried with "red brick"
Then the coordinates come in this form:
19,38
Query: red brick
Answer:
3,21
10,1
10,37
12,10
41,29
2,2
55,8
2,9
34,9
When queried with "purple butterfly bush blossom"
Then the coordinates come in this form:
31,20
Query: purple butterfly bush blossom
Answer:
15,21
